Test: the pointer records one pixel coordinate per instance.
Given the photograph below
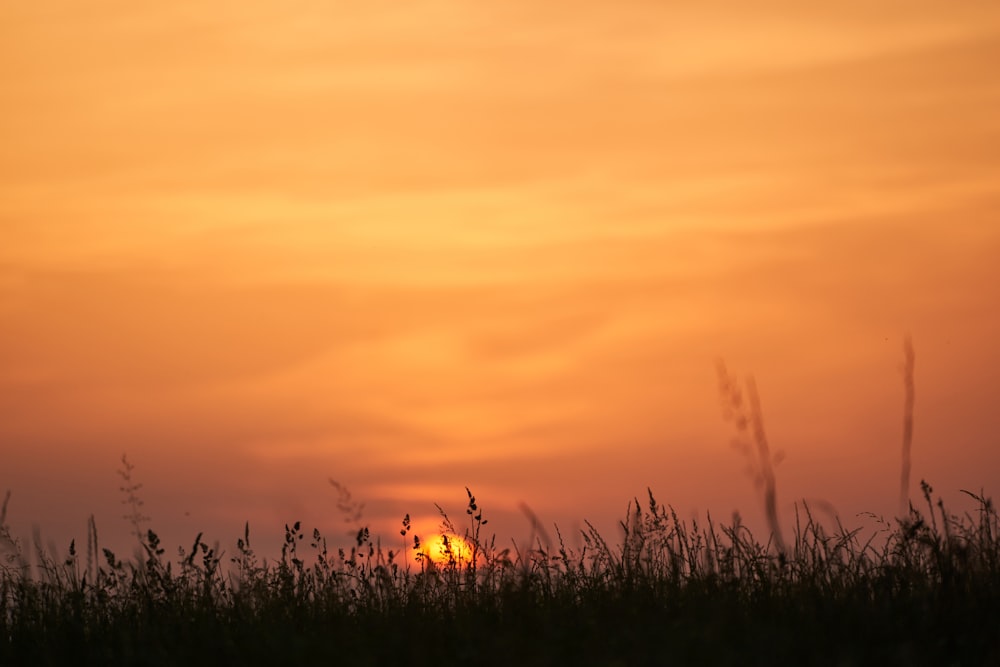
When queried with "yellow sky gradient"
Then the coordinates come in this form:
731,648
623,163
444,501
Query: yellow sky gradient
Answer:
415,246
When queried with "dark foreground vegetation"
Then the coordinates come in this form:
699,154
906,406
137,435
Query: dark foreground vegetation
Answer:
921,591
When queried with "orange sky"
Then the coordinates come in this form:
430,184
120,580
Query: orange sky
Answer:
415,246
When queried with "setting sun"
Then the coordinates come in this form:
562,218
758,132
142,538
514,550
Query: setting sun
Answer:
445,548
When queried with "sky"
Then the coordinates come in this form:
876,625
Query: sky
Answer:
420,246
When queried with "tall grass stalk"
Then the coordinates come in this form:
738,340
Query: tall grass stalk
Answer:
746,415
909,393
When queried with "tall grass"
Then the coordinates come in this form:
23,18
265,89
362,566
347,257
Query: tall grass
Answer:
747,416
909,393
923,589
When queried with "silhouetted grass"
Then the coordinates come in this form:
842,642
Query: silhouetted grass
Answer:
922,590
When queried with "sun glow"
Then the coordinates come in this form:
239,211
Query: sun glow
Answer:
444,548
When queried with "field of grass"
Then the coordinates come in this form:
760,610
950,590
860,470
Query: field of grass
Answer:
920,591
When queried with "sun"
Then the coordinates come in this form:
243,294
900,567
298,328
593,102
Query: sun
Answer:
445,548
